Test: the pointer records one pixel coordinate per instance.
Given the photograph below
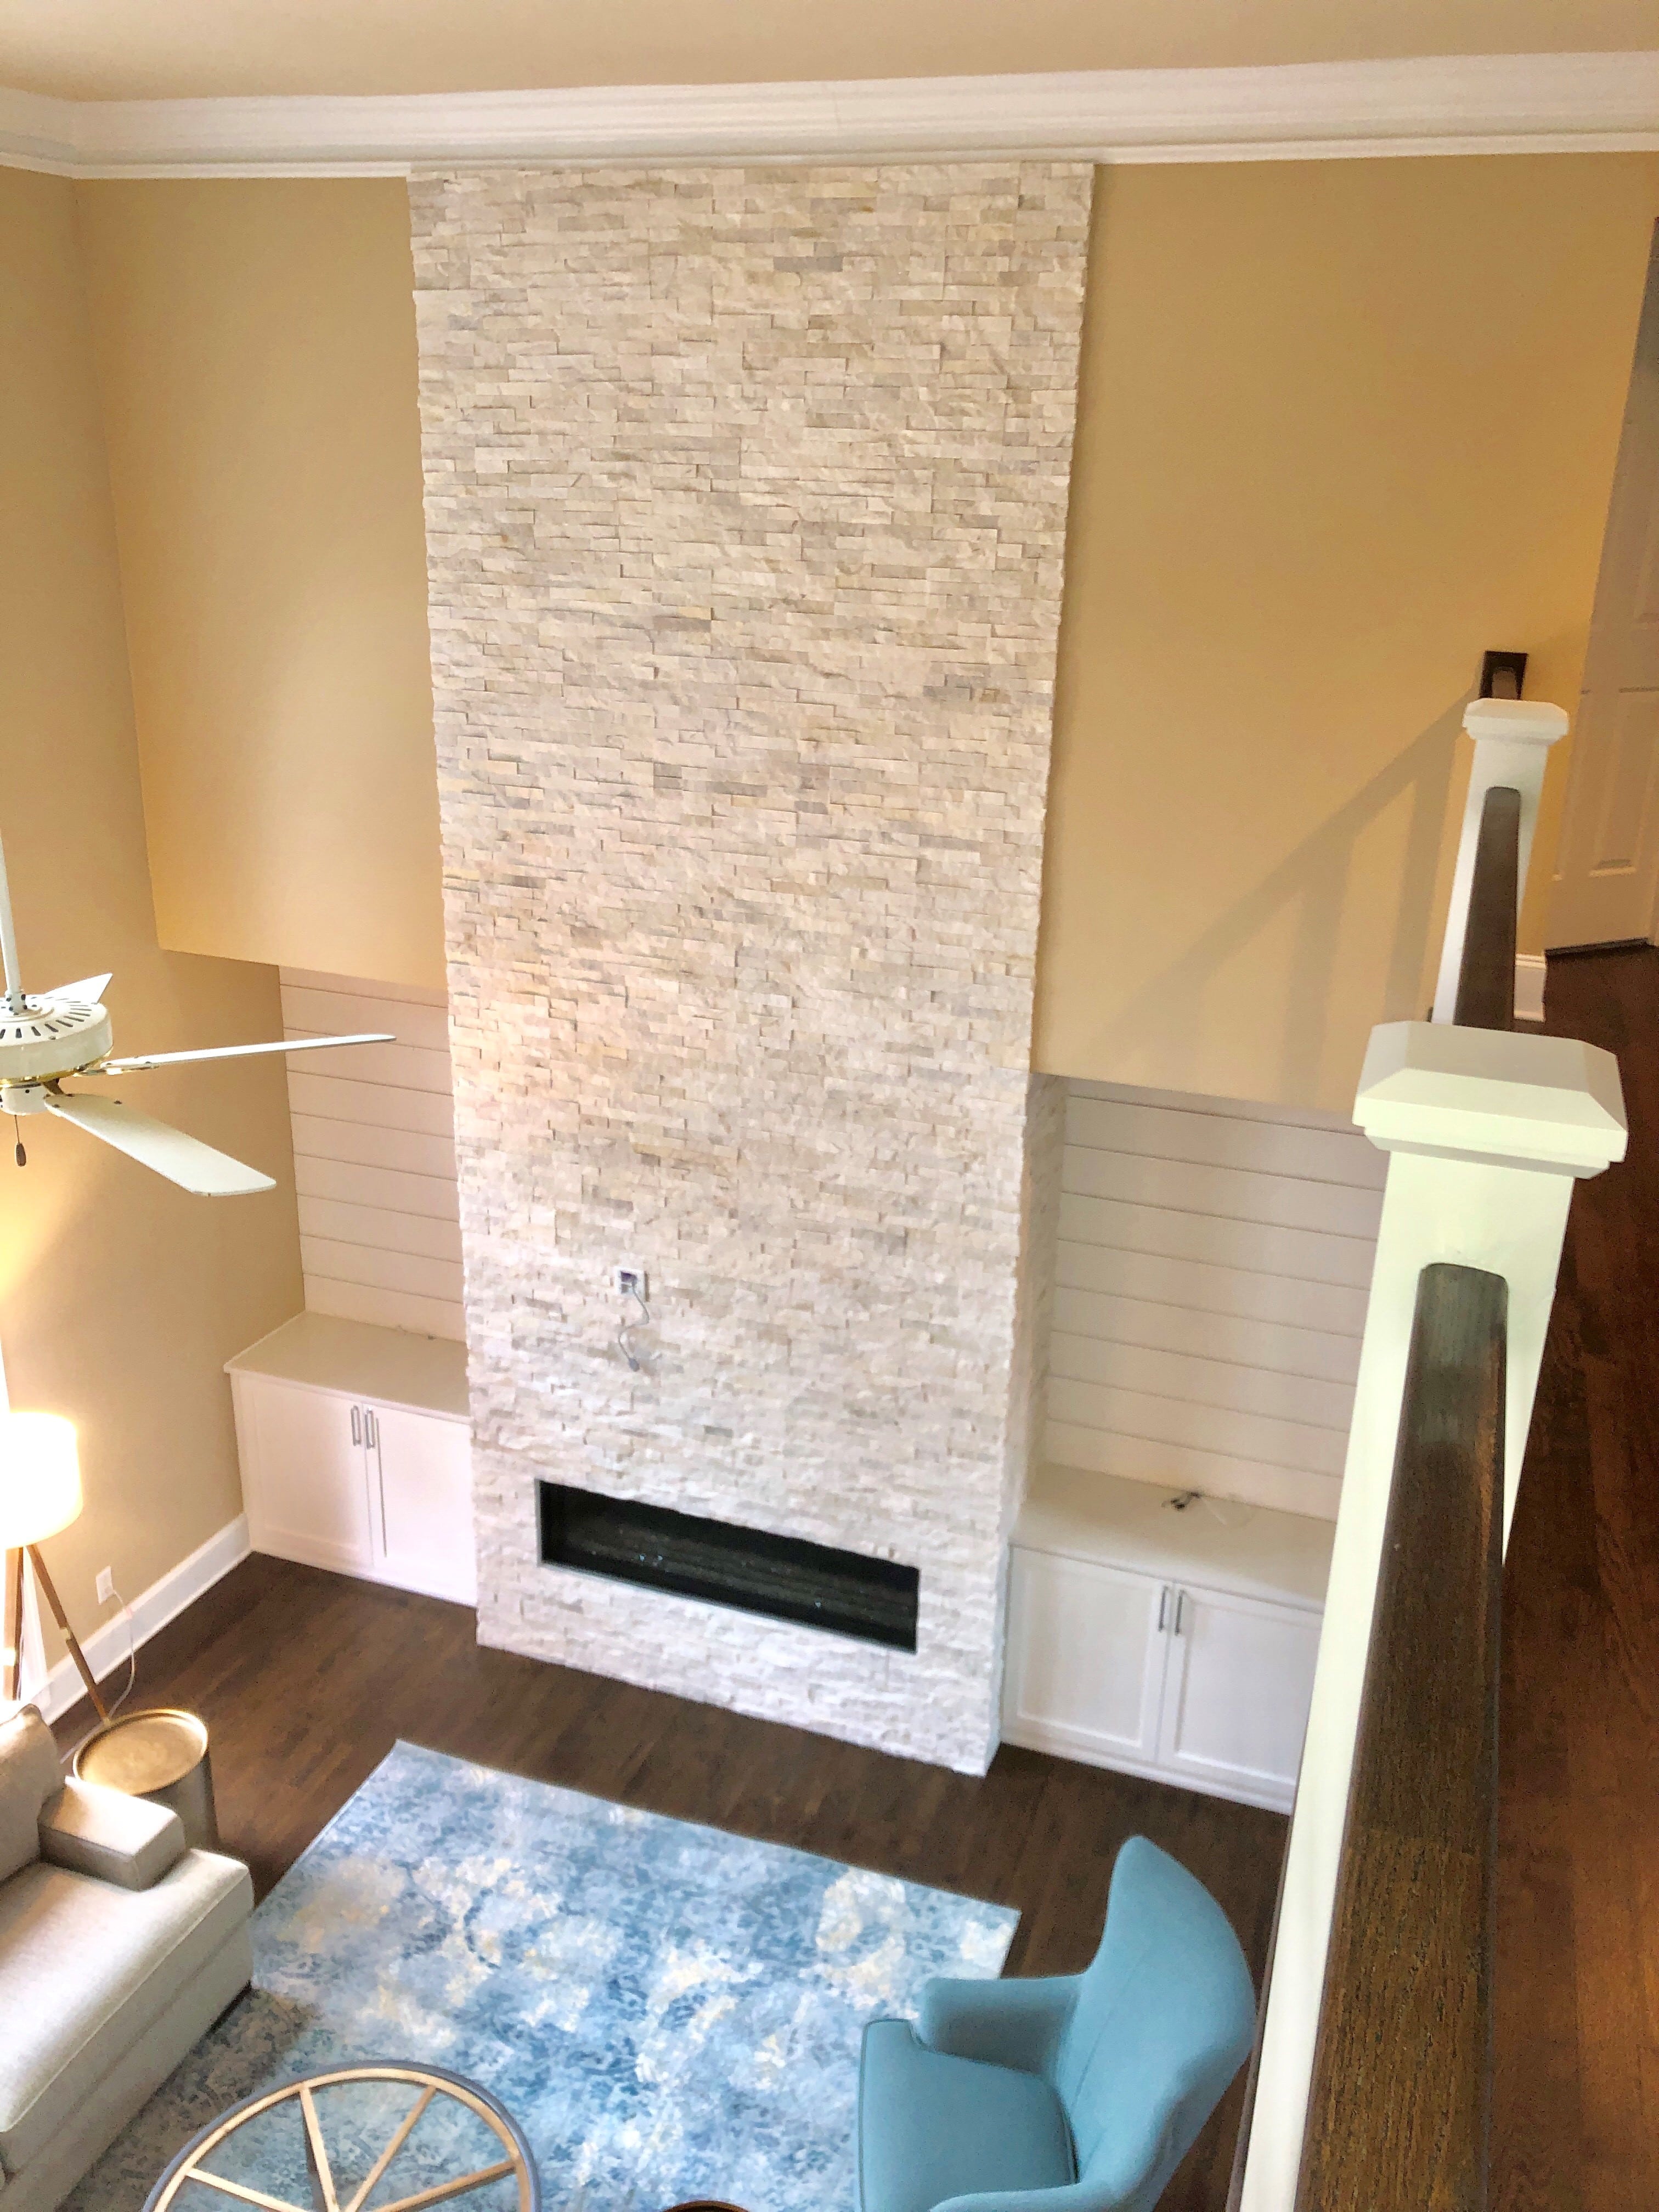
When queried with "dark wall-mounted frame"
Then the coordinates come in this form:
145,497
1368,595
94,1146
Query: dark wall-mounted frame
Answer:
1502,675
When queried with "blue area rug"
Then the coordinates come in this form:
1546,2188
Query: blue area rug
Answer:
666,2011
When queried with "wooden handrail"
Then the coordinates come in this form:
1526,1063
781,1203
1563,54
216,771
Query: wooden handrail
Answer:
1399,2113
1486,980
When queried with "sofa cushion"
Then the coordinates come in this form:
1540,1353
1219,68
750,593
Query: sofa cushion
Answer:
29,1774
85,1968
92,1830
932,2126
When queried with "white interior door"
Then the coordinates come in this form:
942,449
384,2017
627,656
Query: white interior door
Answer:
1086,1658
422,1491
1607,865
308,1495
1236,1695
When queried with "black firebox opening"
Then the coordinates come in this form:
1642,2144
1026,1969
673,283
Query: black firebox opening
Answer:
874,1600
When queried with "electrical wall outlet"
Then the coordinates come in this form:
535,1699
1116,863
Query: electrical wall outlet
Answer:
105,1585
630,1283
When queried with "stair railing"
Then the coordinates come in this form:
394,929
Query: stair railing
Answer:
1371,2082
1512,740
1398,2111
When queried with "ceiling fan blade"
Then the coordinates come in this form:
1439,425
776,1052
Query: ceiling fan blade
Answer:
185,1160
87,992
130,1065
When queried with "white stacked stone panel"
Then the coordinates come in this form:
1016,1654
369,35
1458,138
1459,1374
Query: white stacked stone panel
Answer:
745,508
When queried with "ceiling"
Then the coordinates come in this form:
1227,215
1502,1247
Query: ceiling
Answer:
163,49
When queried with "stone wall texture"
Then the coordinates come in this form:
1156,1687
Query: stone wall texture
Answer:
745,497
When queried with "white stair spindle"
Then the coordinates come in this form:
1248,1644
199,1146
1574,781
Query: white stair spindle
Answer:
1512,741
1485,1132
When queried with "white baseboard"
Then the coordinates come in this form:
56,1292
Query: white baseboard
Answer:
1530,987
1066,1743
164,1601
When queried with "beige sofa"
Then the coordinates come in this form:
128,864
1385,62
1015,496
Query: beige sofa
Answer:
119,1947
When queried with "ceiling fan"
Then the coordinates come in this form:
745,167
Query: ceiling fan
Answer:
46,1036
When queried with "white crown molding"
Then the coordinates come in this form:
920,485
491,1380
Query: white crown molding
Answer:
1461,104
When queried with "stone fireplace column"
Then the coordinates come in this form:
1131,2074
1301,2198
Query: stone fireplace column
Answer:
746,496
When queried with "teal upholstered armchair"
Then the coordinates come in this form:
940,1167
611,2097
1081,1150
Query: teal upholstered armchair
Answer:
1079,2093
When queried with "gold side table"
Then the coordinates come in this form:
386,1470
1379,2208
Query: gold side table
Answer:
161,1755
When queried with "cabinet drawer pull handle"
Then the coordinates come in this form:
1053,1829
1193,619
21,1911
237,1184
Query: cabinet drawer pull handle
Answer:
356,1426
1163,1608
1181,1608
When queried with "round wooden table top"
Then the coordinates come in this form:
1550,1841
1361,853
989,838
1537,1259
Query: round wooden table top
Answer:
340,2133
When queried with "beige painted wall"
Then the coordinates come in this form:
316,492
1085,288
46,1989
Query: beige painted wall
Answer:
256,347
110,49
1342,426
120,1297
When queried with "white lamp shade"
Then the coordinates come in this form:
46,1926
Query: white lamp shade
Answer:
39,1478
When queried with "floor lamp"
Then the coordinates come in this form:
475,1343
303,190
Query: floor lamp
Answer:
40,1495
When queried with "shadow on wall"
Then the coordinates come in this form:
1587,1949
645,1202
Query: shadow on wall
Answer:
1312,885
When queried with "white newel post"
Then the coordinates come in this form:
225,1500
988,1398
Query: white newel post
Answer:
1486,1133
1512,741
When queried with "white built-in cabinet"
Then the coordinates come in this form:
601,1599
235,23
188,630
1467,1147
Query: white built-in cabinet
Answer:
356,1454
1174,1644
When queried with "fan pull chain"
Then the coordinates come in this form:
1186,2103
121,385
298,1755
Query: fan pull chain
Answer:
22,1157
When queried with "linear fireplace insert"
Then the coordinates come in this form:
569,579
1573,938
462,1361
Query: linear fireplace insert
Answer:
724,1564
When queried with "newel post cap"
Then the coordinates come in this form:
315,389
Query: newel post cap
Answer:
1489,1094
1529,720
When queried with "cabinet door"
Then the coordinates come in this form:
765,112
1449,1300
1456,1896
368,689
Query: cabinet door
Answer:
1086,1658
305,1476
1236,1700
422,1486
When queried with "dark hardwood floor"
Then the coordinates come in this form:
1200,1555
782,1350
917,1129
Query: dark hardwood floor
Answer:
1576,2122
306,1679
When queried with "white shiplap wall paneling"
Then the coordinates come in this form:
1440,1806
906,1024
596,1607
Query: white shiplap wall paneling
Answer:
374,1154
1212,1270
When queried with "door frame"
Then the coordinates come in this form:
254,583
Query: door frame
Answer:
1580,763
